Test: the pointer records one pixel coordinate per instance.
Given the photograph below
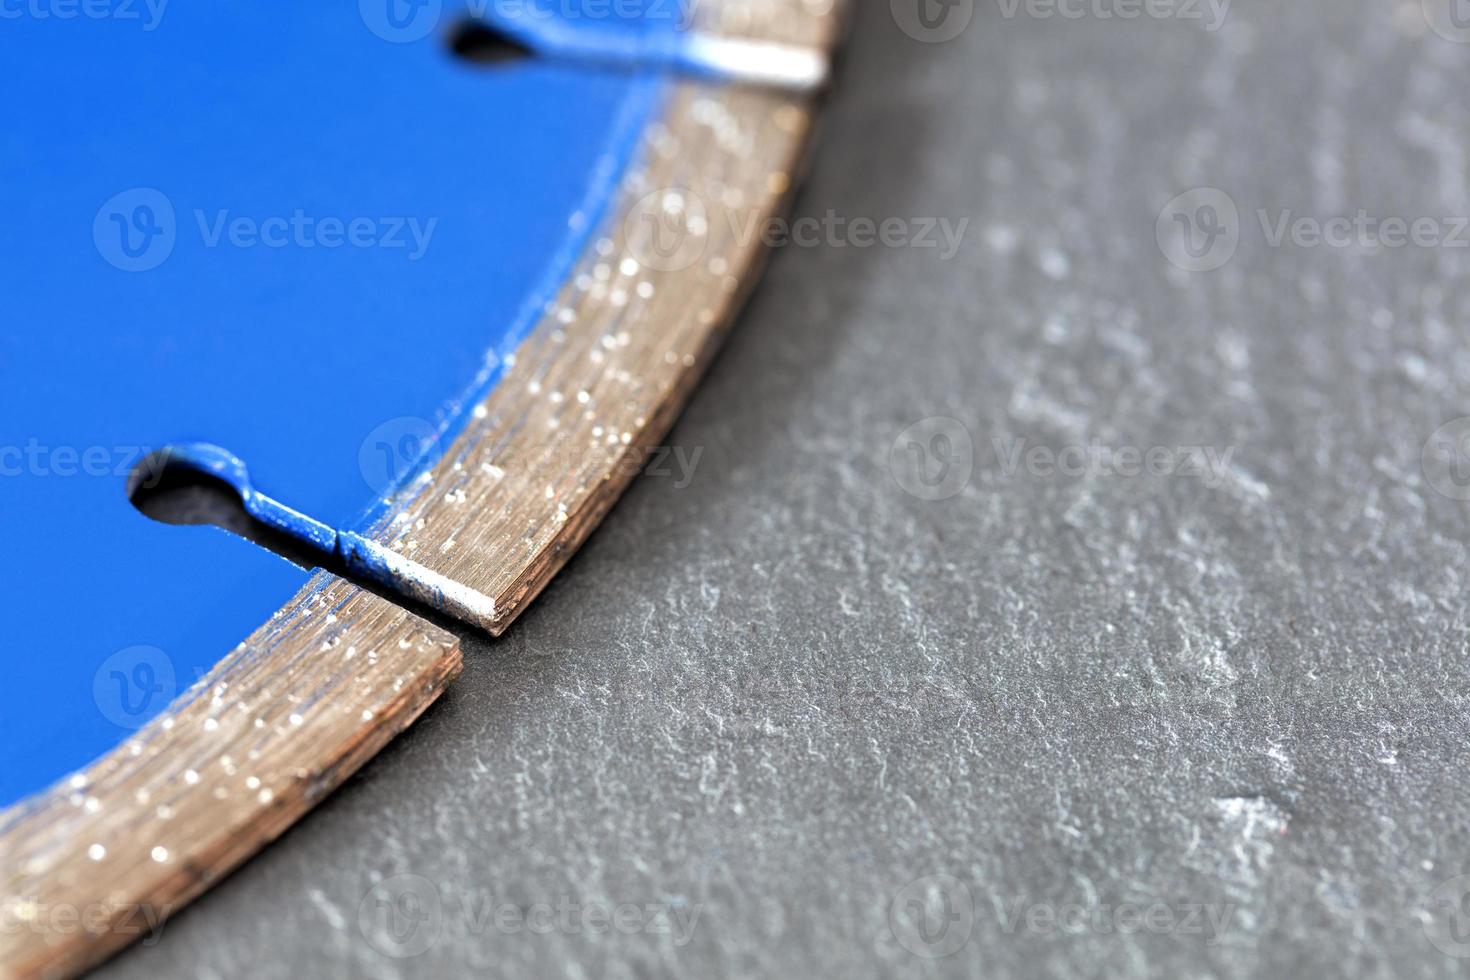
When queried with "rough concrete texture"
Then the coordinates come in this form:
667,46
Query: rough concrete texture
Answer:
803,722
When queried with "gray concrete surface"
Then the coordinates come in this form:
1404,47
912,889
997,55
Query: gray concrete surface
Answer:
794,720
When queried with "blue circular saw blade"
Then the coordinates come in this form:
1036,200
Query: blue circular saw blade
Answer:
280,229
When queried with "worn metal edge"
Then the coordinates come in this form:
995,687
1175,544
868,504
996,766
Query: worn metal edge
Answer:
91,864
614,359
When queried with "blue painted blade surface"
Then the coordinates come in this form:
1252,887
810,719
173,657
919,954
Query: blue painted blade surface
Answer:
274,227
